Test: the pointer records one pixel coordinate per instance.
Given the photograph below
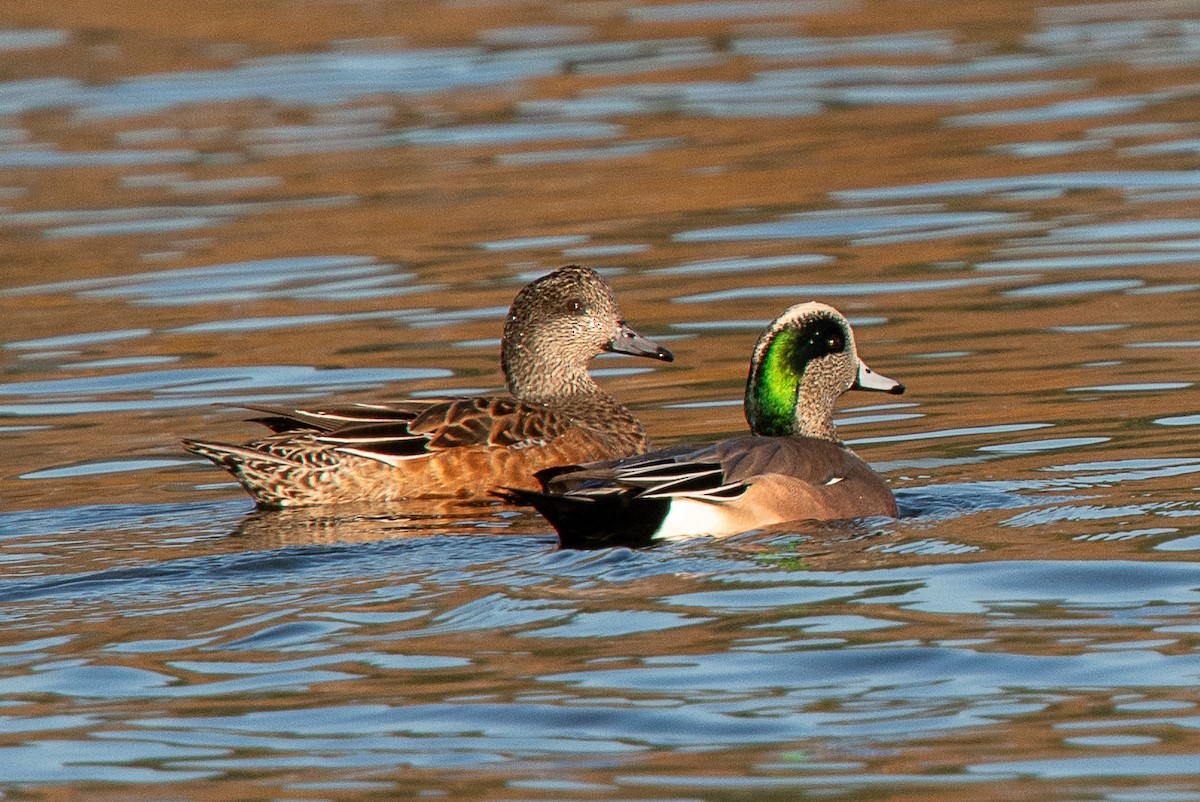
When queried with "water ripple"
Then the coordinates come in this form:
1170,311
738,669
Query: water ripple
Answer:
859,223
834,290
1119,180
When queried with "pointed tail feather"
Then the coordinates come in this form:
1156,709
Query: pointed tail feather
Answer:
230,456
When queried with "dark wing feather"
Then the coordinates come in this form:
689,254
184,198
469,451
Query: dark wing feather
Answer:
329,419
377,440
416,427
684,470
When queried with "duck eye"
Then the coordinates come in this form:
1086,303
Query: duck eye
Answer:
836,343
575,307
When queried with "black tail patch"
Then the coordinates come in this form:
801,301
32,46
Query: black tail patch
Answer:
596,521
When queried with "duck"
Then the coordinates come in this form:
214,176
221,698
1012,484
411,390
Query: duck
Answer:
460,447
791,466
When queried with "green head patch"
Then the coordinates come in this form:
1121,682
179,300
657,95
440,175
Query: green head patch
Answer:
778,371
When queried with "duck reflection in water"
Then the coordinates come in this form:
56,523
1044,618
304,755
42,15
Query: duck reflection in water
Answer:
322,525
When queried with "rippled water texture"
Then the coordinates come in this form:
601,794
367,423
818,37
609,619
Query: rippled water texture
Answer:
307,201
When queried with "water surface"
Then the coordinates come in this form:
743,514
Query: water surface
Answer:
306,203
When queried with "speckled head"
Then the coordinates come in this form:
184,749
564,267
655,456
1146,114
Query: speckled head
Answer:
802,363
556,325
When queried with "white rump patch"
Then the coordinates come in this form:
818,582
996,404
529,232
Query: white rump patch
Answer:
688,518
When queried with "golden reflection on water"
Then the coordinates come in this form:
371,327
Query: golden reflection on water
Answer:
966,259
1000,195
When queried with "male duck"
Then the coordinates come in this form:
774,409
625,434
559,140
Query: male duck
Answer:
791,466
461,447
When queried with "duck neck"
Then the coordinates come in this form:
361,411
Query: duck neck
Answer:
535,375
570,391
812,415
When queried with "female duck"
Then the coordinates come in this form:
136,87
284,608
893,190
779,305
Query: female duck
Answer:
791,466
461,447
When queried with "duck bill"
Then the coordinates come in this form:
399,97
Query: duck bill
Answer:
630,342
870,380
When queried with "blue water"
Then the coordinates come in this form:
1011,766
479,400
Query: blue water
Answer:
499,654
307,204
